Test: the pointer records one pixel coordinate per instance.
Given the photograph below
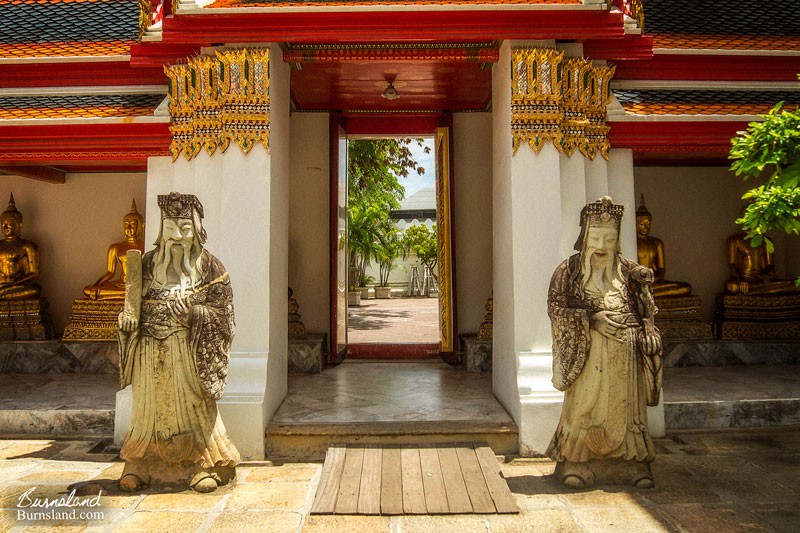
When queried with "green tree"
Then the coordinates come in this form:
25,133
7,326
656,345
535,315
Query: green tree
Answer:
374,169
770,150
422,241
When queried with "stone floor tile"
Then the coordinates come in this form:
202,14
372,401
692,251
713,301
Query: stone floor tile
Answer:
32,449
51,476
623,518
784,518
277,496
186,500
715,518
428,524
167,521
288,472
534,521
243,521
346,524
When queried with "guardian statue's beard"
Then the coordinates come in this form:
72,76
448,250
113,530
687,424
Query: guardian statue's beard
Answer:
611,270
177,260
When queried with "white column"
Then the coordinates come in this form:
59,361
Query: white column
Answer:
528,238
245,199
621,188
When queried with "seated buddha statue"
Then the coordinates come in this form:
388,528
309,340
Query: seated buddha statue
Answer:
752,269
108,288
19,259
650,253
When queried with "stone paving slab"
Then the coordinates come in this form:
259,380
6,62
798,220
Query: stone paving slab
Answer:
716,481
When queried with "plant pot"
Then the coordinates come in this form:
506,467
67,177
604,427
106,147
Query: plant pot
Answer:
353,298
364,291
383,292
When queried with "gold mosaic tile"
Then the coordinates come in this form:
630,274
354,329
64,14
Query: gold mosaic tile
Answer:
726,42
65,49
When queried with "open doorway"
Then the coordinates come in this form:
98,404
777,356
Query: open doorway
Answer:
393,305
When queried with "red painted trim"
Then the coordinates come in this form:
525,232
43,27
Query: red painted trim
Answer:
393,351
84,142
79,74
711,67
392,124
160,54
671,137
400,26
628,48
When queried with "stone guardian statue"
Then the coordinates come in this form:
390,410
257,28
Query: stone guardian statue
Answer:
175,352
606,358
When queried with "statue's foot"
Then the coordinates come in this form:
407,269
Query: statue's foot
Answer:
130,483
644,483
573,482
205,482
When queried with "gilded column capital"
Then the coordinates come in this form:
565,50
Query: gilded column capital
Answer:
214,100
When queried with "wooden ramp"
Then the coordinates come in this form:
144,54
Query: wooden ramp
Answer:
442,478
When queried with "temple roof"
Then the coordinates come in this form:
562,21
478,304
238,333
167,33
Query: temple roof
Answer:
703,102
731,25
79,106
67,28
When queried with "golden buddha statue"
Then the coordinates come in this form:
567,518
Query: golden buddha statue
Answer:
107,288
19,259
650,253
752,269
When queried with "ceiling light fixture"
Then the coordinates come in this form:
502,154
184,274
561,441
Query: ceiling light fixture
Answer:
390,93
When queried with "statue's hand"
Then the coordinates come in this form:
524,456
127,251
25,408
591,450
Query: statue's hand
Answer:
128,323
607,326
180,309
650,344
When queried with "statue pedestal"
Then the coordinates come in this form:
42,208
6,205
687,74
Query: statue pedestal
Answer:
750,317
93,320
477,353
307,355
25,320
679,318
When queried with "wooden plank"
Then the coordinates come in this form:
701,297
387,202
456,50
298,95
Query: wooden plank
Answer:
369,494
473,477
413,490
457,496
498,488
432,482
391,482
347,499
328,489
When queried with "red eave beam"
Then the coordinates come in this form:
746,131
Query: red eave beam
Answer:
158,54
397,26
628,48
50,175
671,137
711,67
24,145
75,73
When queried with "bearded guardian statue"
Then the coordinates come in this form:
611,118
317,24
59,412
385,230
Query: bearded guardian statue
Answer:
175,336
606,358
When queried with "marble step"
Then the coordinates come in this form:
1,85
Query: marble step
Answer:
311,440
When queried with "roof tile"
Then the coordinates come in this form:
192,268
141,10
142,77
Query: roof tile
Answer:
702,102
78,106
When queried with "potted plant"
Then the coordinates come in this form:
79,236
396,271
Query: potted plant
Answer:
387,249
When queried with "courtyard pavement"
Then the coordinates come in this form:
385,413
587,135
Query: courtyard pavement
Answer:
706,481
394,320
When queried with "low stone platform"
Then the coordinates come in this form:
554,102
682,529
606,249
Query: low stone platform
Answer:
724,353
42,357
307,355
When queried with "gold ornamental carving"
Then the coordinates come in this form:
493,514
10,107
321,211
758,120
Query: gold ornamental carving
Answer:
216,101
559,100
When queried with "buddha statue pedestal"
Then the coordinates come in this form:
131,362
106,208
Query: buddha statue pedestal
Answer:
679,318
758,316
25,320
93,320
476,353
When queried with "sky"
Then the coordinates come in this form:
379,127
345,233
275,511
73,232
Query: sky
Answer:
415,182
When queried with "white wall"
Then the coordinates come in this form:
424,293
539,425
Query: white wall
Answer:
73,224
309,235
693,211
472,151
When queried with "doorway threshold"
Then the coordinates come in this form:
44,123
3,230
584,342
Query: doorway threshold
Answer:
392,351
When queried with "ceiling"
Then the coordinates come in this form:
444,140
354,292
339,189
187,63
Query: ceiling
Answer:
427,80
